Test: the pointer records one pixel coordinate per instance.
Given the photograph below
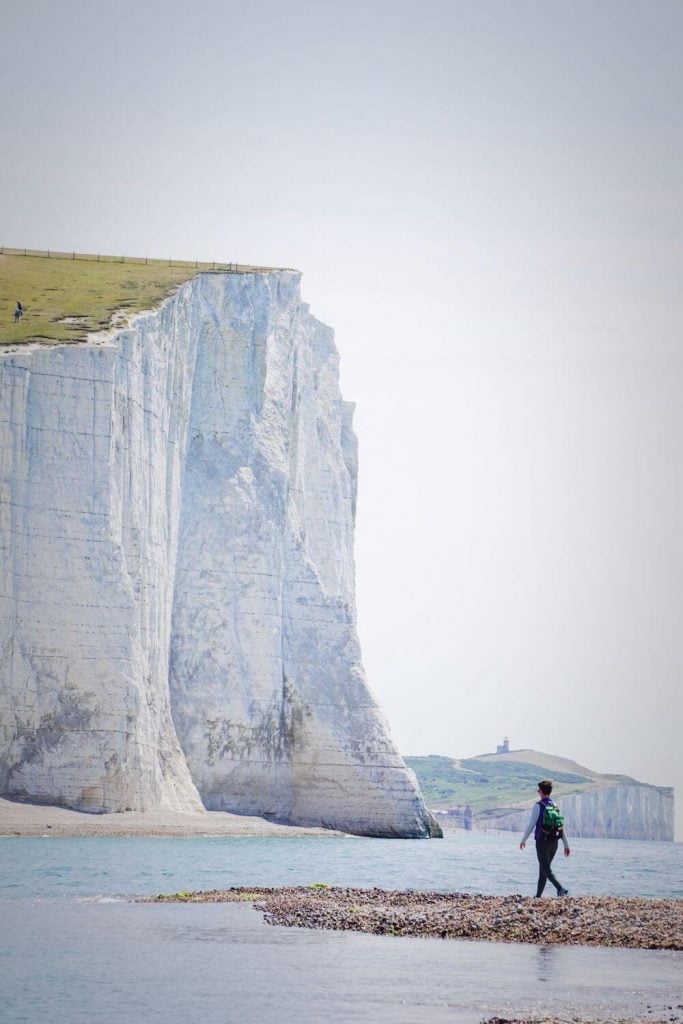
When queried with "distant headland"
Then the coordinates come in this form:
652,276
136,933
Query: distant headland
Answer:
497,790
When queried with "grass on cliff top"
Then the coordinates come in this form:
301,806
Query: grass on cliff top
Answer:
488,783
484,785
65,299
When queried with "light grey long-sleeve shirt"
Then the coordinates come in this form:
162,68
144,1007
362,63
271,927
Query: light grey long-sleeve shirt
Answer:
535,811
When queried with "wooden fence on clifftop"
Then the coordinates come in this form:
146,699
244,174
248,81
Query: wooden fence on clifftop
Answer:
231,268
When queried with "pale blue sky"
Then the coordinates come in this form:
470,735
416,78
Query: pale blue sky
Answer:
485,199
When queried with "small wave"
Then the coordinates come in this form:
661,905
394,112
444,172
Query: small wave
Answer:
106,899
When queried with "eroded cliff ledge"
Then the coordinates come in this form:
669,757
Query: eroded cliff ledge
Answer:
177,613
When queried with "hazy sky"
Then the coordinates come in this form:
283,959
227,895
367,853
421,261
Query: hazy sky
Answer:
486,201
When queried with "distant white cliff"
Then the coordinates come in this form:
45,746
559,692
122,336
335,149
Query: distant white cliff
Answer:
177,611
498,791
620,811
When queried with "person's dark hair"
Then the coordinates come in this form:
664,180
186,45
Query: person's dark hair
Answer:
546,787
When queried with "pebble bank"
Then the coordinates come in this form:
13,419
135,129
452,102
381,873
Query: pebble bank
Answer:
633,923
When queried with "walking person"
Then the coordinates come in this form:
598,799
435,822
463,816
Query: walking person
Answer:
548,829
18,312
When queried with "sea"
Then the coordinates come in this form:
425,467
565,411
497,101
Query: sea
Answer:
75,946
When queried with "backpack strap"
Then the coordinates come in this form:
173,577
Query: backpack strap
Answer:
539,823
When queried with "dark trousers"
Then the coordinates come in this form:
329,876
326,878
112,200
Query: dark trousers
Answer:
545,851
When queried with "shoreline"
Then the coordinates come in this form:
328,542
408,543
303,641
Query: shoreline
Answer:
623,922
24,820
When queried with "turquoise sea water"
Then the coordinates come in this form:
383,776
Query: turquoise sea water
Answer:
486,862
74,947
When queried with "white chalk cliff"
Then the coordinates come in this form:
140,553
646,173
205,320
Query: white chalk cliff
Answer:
619,811
177,613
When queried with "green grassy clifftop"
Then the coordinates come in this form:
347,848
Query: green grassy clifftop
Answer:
504,780
67,296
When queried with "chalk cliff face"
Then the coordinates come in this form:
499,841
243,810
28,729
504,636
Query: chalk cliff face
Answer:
622,811
612,812
177,612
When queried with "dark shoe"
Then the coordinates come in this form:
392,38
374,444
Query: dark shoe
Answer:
562,892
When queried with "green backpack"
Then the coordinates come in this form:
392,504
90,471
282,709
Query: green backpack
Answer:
553,821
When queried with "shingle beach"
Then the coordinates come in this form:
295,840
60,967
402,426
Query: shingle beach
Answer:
632,923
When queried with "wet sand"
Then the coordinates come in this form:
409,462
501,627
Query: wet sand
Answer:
20,819
628,923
